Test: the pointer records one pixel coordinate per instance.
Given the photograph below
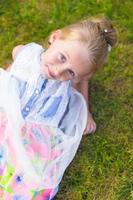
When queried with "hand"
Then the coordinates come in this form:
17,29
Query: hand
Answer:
91,125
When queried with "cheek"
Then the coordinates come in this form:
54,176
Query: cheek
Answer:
64,77
48,55
52,56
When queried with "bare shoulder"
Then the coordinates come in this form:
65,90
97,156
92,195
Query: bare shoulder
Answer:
16,50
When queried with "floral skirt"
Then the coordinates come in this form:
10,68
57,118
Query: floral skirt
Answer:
32,160
14,180
8,194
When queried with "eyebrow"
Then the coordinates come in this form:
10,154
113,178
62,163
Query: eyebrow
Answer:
66,54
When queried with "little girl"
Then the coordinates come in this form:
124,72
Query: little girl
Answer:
43,107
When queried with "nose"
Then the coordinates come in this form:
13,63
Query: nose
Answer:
59,70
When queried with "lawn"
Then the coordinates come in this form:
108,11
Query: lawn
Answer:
103,166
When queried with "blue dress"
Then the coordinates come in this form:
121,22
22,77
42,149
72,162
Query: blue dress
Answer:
48,115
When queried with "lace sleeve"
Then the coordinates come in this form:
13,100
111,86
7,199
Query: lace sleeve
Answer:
27,62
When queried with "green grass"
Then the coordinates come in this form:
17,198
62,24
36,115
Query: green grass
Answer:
103,166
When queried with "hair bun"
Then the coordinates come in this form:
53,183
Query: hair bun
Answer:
107,30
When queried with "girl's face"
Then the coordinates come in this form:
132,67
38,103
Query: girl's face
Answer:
66,60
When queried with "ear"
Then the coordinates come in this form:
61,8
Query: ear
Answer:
55,36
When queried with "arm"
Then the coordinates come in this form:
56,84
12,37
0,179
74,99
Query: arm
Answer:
83,88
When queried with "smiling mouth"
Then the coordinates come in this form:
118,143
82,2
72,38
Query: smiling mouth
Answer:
51,74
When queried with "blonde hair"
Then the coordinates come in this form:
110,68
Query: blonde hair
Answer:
97,33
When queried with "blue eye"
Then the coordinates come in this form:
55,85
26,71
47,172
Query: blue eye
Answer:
62,58
71,72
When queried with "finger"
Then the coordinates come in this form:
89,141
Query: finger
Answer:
93,128
88,129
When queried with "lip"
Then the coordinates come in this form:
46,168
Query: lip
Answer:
51,74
